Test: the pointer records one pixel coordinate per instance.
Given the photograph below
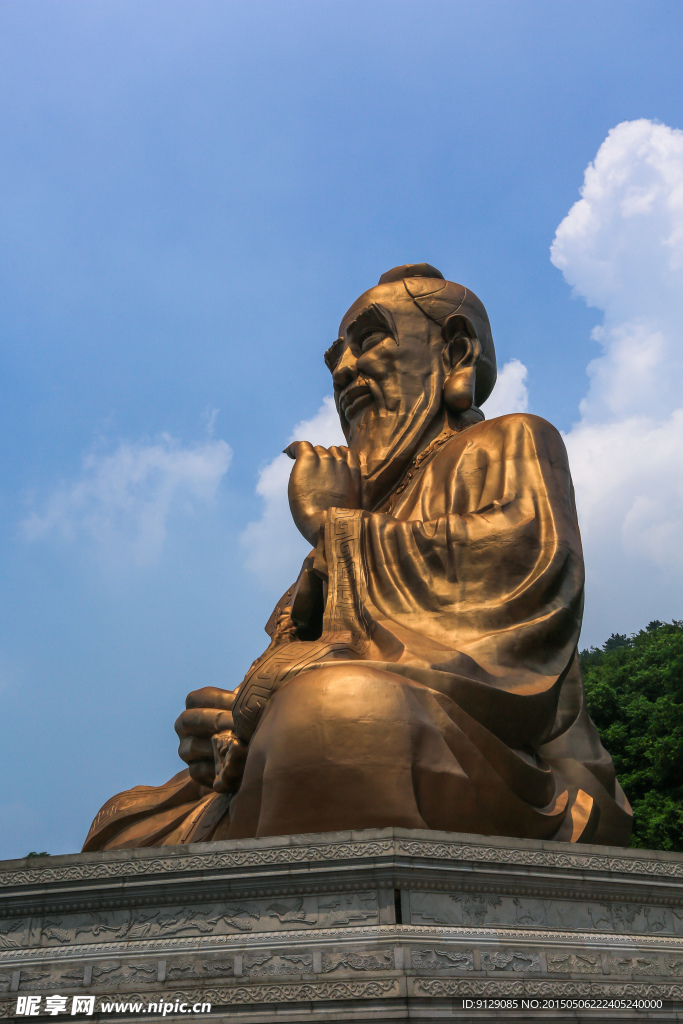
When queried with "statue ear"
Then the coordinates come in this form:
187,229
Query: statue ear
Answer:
462,350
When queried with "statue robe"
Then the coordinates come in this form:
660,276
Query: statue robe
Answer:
428,676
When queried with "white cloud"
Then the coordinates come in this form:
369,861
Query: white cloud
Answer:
621,248
123,500
510,393
273,545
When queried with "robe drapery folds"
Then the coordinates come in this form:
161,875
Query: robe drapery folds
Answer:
437,684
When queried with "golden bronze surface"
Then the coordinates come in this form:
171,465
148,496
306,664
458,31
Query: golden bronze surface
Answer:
423,669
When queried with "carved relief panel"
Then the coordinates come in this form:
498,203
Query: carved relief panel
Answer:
511,960
141,923
441,960
381,960
483,910
277,965
13,932
121,973
574,963
46,977
195,970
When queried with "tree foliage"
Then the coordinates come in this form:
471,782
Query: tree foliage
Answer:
634,691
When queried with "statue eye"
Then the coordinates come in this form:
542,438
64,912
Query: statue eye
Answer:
371,337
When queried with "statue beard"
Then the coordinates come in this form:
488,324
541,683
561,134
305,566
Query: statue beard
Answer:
387,440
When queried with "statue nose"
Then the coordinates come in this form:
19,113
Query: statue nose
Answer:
346,369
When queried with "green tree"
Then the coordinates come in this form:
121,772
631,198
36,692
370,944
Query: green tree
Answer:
634,691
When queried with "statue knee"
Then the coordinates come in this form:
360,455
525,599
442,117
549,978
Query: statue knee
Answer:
332,721
341,693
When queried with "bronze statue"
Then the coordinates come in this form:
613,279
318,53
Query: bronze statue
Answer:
423,669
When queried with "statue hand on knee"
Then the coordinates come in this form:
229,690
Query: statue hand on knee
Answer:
208,714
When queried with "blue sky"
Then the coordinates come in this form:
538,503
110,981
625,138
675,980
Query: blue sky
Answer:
191,194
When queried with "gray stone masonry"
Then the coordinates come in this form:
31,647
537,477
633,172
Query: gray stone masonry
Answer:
379,925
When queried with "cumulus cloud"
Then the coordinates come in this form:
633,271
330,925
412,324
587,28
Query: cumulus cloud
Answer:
274,548
123,500
621,249
510,393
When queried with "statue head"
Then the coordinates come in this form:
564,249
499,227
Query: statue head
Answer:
414,354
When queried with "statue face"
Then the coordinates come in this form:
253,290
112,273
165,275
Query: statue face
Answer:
388,368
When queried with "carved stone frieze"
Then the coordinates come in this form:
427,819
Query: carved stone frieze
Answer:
183,970
489,988
12,932
195,970
574,963
441,960
329,990
216,967
269,966
352,908
482,909
247,916
633,965
511,960
530,913
647,965
118,974
37,979
660,919
145,924
58,980
526,857
354,961
674,966
212,862
85,927
293,912
278,993
474,907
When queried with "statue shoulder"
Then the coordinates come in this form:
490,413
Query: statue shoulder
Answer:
517,437
520,434
522,423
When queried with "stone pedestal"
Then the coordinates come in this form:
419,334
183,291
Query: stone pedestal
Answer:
379,925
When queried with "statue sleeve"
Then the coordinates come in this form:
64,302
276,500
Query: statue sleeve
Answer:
497,574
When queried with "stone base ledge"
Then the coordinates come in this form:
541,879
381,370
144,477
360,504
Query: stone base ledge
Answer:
378,925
